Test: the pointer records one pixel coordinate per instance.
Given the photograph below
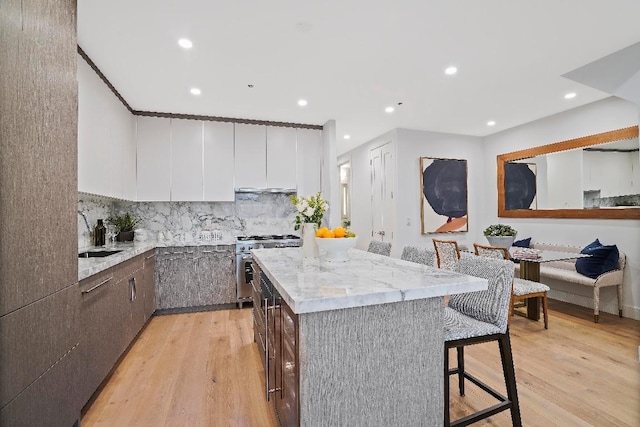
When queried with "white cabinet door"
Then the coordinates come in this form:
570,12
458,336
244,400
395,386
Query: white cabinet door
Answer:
309,161
122,157
153,159
250,156
93,132
218,162
186,160
281,157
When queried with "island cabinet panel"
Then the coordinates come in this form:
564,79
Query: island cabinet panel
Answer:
218,161
286,402
186,160
195,276
250,156
153,159
281,157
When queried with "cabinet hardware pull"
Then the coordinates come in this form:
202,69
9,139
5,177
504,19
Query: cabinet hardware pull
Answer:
132,285
150,256
86,291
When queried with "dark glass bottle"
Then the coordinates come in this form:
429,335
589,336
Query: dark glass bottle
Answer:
99,234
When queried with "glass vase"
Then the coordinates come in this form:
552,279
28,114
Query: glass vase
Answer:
309,244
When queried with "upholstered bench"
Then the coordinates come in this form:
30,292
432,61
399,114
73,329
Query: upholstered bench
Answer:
566,271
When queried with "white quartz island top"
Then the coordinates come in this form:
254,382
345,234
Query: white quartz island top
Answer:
310,285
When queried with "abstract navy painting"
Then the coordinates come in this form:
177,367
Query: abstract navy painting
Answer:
443,204
520,185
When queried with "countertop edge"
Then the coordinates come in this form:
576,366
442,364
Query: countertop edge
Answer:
88,267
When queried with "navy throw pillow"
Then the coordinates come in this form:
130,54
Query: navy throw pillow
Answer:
524,243
603,258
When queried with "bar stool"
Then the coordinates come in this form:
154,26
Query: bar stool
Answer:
380,248
479,317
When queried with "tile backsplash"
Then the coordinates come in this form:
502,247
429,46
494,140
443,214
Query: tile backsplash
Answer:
268,213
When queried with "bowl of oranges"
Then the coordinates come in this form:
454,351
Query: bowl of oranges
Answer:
334,244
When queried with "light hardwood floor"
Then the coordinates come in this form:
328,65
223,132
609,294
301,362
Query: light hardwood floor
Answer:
203,369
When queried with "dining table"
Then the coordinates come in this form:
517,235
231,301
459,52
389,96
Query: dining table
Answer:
530,270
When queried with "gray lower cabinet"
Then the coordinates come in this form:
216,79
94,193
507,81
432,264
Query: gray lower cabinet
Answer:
195,276
112,312
149,283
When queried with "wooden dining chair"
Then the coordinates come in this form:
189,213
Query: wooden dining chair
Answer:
447,253
522,289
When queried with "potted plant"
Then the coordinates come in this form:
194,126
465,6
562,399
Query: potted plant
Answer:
500,235
126,224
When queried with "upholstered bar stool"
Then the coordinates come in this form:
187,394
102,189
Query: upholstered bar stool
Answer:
380,248
522,288
419,255
479,317
447,253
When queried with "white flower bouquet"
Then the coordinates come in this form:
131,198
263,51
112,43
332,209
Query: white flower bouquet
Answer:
309,209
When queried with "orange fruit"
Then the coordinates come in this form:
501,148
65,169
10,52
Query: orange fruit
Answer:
339,231
321,231
329,234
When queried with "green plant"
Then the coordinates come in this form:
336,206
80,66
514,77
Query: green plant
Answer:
310,209
500,230
125,222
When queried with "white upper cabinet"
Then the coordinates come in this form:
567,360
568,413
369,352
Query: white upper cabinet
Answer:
186,160
106,139
93,132
153,159
281,157
250,156
218,161
309,161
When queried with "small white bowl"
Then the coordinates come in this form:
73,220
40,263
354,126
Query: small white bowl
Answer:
335,250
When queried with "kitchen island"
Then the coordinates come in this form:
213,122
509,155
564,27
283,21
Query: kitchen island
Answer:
353,343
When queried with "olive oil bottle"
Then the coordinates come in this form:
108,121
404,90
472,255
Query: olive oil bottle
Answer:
99,234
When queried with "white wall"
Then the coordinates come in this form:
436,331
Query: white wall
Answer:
608,114
410,145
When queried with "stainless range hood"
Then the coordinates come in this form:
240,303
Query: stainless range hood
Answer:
265,190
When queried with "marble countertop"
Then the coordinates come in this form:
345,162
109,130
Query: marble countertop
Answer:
310,285
90,266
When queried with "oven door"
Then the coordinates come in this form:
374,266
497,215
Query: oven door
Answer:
244,275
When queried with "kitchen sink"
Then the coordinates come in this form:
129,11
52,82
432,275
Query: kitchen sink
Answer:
97,254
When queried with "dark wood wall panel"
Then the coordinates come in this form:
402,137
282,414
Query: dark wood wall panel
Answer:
38,150
38,203
49,401
41,334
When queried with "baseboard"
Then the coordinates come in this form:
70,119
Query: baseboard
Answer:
607,305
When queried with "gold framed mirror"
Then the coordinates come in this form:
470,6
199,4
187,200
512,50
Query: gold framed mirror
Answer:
531,166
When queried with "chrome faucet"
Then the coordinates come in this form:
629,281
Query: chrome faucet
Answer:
86,221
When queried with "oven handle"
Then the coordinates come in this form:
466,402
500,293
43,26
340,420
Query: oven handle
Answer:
246,257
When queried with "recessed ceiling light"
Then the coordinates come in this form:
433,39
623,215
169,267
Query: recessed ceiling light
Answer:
185,43
491,123
450,71
389,109
302,102
570,95
195,91
347,137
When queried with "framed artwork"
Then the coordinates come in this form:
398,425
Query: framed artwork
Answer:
520,189
443,195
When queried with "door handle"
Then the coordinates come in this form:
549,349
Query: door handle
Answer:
381,232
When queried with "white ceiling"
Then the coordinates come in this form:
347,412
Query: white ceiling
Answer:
352,58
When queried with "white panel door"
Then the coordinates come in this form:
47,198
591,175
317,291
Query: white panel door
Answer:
382,184
250,156
153,159
186,160
281,157
218,162
309,152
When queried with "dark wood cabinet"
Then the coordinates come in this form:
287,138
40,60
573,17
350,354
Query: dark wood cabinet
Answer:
276,334
113,310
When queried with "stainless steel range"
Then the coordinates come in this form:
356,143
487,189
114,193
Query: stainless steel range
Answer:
244,244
